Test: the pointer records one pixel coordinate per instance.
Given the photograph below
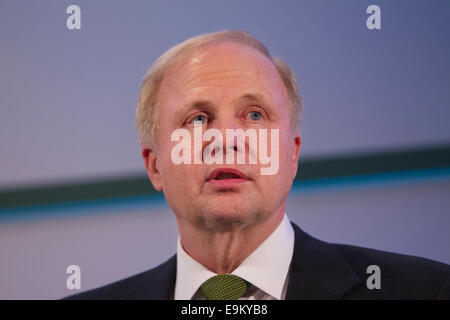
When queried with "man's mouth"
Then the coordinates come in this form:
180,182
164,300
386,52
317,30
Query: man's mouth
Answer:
227,177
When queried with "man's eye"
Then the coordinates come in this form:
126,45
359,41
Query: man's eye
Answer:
200,119
255,115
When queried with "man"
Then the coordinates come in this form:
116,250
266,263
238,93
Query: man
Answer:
236,240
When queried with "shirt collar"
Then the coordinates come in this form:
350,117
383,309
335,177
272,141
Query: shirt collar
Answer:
266,267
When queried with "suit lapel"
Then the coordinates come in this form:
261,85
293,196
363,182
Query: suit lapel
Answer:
318,271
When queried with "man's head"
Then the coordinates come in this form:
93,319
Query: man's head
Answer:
225,80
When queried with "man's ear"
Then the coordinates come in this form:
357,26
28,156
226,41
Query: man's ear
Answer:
153,173
296,146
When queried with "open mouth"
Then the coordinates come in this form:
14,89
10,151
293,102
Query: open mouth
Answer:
227,174
223,176
226,178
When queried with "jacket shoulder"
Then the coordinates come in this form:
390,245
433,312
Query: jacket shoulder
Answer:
400,273
145,283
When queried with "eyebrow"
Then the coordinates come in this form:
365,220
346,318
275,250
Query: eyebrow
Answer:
196,105
206,104
254,97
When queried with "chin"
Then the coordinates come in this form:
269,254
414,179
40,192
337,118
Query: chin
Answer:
227,216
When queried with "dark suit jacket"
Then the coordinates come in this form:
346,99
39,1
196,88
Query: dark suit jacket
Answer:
319,270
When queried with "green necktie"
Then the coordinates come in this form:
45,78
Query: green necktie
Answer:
224,287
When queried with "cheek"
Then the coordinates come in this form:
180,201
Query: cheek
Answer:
285,146
180,179
286,157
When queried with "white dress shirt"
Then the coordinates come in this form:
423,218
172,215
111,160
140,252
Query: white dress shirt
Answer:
266,268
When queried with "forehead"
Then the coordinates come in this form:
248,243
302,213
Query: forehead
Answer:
220,71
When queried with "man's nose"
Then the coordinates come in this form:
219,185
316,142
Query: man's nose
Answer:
229,142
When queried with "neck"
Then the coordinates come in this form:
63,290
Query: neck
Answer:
222,252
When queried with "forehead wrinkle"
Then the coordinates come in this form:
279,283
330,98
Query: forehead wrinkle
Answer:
213,78
207,66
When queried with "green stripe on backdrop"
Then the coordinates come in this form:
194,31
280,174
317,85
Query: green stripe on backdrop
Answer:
310,169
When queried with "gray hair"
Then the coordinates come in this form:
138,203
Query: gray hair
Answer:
147,114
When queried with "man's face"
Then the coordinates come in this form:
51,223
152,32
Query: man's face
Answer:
225,86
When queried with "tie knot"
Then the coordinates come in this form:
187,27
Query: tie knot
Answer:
224,287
